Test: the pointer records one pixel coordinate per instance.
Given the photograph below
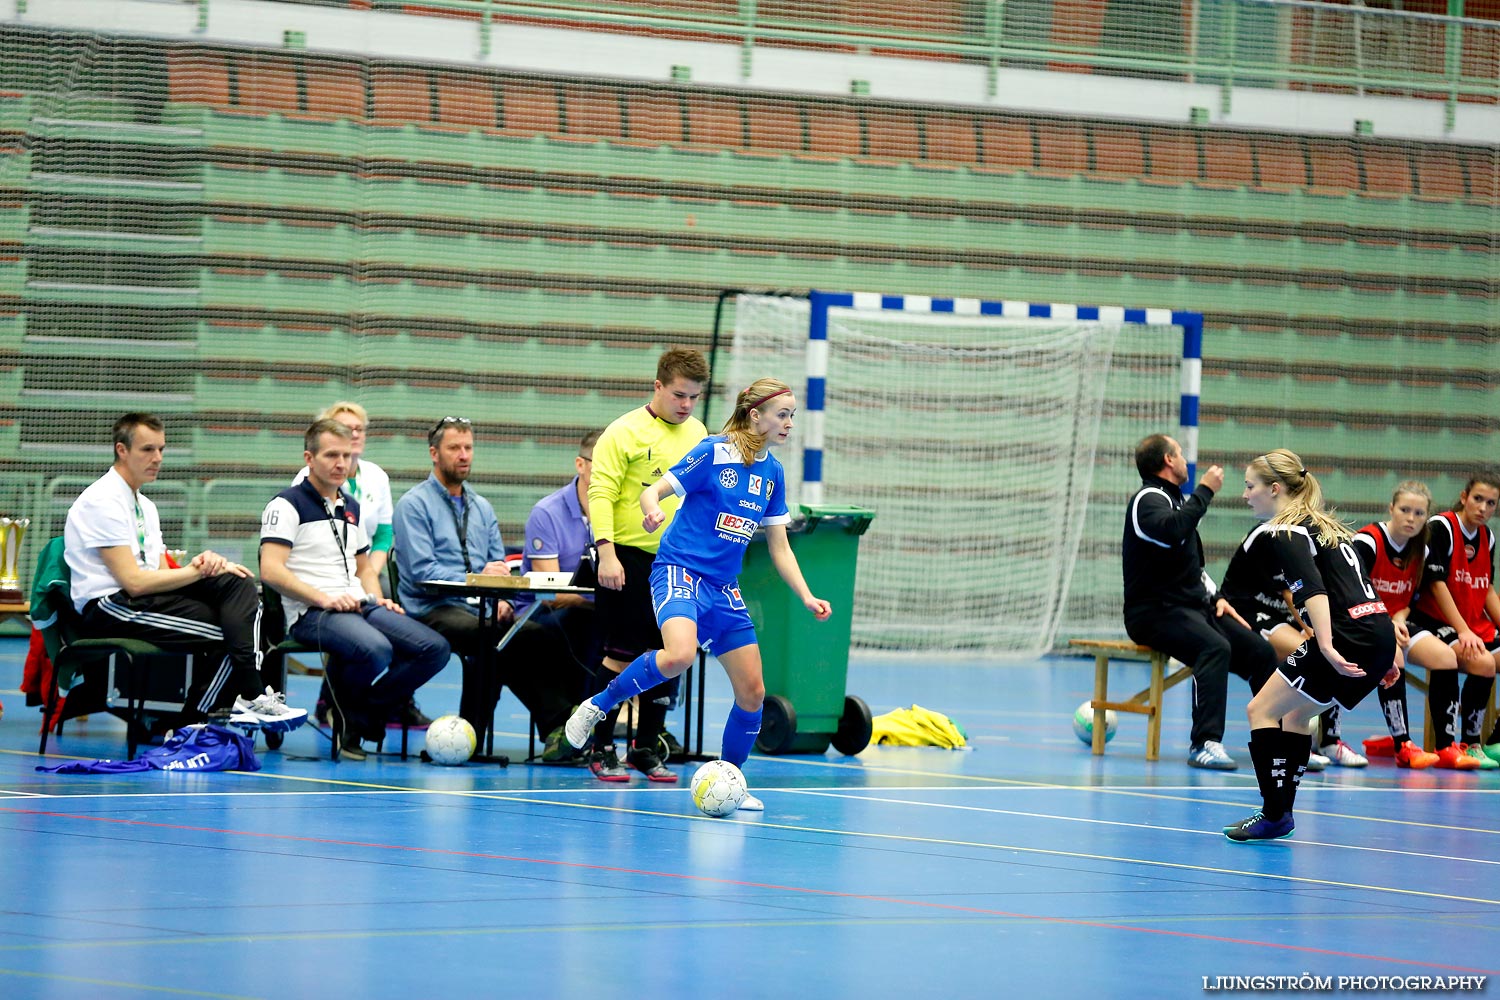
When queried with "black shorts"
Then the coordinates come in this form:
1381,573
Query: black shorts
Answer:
1418,624
1306,670
625,618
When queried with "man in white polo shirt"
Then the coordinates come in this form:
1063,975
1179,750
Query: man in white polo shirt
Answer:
124,587
315,553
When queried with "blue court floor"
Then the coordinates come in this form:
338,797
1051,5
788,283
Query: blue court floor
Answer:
1023,867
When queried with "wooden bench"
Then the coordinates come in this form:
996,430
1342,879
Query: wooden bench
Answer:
1147,702
1429,731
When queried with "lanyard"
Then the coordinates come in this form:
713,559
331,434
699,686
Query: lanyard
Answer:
462,527
342,540
140,532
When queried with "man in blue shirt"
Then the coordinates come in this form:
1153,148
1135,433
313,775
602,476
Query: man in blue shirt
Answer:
444,531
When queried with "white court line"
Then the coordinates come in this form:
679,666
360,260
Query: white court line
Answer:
823,793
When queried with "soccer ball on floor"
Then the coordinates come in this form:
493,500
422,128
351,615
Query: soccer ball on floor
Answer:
1083,723
718,788
450,740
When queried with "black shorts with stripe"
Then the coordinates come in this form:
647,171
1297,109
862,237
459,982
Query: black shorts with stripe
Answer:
1372,648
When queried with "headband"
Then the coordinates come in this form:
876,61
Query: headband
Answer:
762,399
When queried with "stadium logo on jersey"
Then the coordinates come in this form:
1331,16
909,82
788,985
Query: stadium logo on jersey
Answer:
729,479
1366,609
739,527
1463,576
755,482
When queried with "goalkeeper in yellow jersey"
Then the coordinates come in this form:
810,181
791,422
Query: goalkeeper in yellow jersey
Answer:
630,456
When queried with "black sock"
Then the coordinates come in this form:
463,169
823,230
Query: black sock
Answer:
1476,699
1393,704
1295,747
1270,769
652,718
1442,701
1329,725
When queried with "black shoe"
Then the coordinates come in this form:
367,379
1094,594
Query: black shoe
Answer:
650,765
352,748
669,750
409,715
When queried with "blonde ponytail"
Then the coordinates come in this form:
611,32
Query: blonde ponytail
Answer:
738,427
1304,495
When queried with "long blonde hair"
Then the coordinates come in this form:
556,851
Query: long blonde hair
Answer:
1304,497
737,428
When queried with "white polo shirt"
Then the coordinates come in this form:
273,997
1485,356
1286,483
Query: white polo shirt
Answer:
106,514
372,488
323,547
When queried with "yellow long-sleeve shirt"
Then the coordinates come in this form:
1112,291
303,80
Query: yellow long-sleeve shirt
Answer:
629,456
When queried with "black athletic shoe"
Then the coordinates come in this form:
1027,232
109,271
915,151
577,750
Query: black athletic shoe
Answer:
1256,828
651,766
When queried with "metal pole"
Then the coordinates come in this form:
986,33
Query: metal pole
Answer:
747,43
1453,65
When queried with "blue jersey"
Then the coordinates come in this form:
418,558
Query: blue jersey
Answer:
723,502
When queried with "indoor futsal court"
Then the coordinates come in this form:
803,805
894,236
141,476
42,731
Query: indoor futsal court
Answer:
1023,864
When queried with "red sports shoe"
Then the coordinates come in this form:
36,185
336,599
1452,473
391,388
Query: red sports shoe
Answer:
1412,756
1454,757
1380,746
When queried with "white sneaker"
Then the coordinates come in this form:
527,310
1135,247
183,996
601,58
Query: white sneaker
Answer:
268,711
1343,755
580,725
1210,754
1316,762
751,804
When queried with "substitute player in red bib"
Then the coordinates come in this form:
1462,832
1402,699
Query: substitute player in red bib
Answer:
1457,604
729,485
1393,553
1354,646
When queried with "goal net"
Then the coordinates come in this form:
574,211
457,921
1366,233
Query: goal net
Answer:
996,453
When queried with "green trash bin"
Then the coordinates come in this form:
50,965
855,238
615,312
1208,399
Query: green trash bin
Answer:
807,661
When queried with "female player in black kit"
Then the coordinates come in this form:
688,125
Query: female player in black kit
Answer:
1353,645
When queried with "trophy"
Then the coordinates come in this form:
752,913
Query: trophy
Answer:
12,530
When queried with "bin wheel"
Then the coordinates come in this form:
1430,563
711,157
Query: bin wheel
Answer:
778,725
274,740
856,726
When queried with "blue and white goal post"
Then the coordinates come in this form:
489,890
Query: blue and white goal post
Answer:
817,356
993,439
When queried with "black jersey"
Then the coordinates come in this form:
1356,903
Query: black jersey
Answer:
1292,555
1253,586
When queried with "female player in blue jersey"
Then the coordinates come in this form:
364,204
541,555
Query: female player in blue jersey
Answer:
730,484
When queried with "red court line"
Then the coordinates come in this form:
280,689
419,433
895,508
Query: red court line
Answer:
806,890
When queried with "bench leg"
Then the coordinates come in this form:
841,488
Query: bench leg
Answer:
1153,720
1101,694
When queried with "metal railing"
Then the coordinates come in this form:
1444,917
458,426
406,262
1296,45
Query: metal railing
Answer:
1288,44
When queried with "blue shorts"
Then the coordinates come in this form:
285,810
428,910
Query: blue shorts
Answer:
718,609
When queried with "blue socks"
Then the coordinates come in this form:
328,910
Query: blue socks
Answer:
740,730
640,676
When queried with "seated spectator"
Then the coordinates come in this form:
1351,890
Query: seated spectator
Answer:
444,531
559,540
368,484
124,586
315,553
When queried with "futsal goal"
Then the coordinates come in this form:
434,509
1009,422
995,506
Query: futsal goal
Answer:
993,439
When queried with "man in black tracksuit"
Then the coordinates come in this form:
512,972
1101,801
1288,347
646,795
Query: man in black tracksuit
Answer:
1170,604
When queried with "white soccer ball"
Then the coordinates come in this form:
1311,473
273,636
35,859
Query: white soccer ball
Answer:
450,740
1083,723
718,788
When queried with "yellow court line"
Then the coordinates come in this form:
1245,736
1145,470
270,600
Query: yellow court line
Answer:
946,842
854,797
490,931
175,991
1103,789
